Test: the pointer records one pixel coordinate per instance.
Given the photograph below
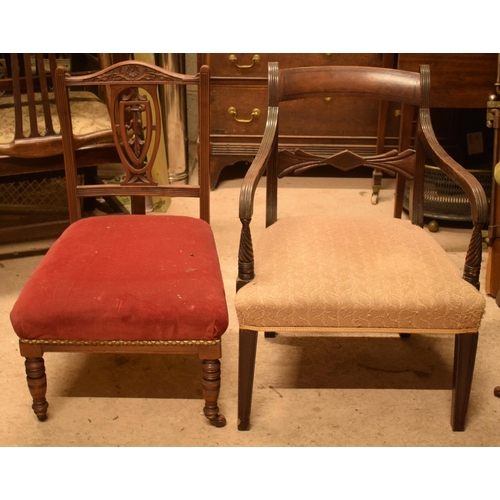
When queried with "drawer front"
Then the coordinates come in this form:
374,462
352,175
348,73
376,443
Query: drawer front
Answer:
255,65
234,110
338,117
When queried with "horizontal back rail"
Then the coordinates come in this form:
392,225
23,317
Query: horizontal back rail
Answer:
93,191
376,83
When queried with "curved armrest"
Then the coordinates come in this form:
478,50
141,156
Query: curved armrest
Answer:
469,183
259,164
247,195
472,187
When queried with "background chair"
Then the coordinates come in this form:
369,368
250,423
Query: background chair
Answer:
128,283
31,148
333,274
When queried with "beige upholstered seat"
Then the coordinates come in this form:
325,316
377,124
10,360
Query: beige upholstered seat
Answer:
305,282
363,275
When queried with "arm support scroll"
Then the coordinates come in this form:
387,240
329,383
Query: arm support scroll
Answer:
471,186
247,196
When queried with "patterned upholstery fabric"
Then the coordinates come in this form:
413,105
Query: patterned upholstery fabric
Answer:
314,274
127,278
89,114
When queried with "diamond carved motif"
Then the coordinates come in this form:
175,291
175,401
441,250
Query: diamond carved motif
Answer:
345,160
391,162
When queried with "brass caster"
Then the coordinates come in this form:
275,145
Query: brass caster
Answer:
41,417
218,420
374,198
433,226
496,391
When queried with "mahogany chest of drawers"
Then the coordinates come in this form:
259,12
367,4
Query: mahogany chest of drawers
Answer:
239,108
239,102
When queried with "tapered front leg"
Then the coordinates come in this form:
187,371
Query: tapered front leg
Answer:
463,370
211,387
37,384
246,367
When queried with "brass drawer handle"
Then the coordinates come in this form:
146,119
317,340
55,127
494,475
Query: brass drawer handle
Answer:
234,59
232,111
328,99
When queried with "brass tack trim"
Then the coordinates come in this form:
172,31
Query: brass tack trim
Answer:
120,342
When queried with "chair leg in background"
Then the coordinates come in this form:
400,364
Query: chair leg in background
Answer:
211,387
463,370
37,384
376,186
246,367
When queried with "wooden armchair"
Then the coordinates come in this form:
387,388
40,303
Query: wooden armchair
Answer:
31,147
128,283
340,274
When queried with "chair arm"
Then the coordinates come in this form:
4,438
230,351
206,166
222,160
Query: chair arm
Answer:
247,196
469,183
259,164
471,186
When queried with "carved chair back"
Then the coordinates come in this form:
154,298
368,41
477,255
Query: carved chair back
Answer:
132,88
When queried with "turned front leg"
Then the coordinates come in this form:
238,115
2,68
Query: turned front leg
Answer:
37,384
211,387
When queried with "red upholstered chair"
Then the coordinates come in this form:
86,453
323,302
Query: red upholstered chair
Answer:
340,274
128,283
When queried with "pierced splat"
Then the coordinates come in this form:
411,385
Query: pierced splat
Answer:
137,132
392,162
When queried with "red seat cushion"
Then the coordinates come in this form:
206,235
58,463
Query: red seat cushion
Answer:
126,278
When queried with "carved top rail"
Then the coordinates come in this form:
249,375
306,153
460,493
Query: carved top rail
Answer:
129,71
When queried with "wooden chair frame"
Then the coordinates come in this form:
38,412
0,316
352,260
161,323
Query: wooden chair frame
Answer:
119,79
412,91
